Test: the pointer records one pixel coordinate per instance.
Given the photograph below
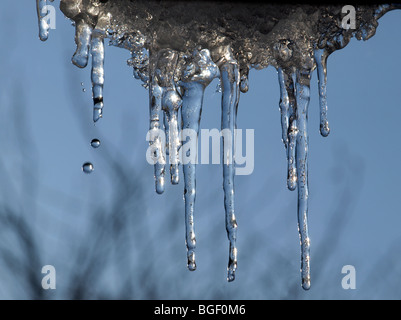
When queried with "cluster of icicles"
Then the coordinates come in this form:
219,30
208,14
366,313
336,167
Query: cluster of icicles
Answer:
176,83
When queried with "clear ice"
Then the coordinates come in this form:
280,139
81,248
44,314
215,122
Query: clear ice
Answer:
301,154
97,74
42,12
156,141
321,65
230,86
197,74
178,49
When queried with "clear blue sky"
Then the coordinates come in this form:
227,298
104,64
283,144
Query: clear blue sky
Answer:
353,173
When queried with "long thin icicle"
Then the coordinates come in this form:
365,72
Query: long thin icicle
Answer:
230,81
171,102
97,74
321,63
284,106
191,113
292,134
155,97
197,76
303,97
289,128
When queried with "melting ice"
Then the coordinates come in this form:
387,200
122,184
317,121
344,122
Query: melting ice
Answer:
177,50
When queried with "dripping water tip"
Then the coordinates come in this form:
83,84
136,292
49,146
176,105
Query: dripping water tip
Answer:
191,266
78,62
306,284
230,276
324,129
159,186
324,133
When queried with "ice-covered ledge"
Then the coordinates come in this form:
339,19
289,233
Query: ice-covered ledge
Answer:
179,47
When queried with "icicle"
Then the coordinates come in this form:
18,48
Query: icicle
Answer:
171,102
230,80
167,131
190,113
197,75
302,98
155,97
135,27
321,63
291,163
289,128
284,107
97,74
83,34
42,11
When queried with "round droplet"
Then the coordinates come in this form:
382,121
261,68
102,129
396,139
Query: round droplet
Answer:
83,90
292,179
306,283
230,276
95,143
324,128
87,167
160,185
191,264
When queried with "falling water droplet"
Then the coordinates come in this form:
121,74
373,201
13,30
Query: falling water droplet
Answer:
87,167
95,143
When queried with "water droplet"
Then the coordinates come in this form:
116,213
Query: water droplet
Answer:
87,167
95,143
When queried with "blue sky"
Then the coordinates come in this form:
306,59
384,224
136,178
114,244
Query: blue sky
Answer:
353,173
